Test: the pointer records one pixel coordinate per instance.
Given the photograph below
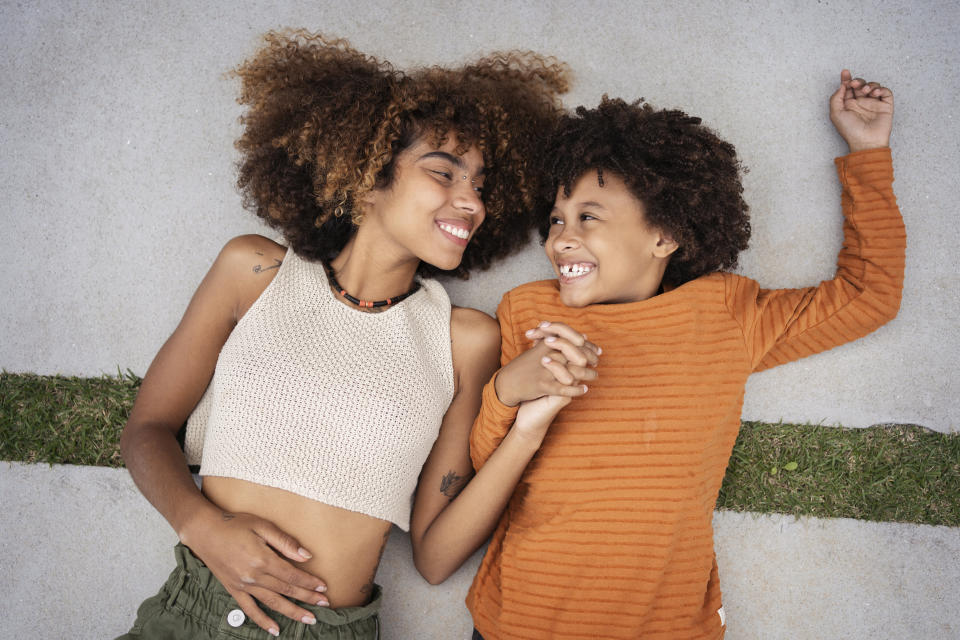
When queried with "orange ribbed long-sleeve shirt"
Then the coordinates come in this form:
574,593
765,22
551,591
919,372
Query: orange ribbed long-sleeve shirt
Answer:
608,534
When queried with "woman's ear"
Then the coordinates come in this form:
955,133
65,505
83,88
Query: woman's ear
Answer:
368,199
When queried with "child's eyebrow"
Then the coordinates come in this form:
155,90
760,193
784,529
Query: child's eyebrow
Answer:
591,203
456,161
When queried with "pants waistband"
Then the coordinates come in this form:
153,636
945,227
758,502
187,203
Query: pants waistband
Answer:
196,591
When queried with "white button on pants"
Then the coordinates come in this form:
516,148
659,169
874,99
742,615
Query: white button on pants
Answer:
235,618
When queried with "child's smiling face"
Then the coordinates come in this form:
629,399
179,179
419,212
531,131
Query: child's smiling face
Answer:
600,245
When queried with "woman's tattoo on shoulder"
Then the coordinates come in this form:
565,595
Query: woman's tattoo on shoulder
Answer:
452,484
258,268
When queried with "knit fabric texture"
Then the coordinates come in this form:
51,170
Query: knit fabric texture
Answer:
327,401
609,532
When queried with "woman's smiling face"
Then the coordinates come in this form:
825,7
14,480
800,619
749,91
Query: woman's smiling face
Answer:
600,245
433,206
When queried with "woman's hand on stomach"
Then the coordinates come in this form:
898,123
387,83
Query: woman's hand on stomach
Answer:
345,546
249,556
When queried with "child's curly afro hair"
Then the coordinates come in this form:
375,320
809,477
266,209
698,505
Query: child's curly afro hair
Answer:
324,124
687,178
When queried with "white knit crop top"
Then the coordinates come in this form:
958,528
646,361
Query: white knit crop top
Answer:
326,401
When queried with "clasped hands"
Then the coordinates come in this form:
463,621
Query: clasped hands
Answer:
547,376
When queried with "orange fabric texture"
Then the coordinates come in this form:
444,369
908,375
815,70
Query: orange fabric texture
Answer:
609,532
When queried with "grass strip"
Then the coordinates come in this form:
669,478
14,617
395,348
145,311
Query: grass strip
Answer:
64,420
888,473
899,473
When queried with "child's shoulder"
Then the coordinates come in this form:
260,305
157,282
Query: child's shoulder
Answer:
536,286
528,297
537,292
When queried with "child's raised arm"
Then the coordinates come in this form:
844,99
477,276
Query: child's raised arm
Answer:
862,112
782,325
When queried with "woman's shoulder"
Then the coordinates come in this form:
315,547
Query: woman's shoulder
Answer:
475,343
244,268
473,325
251,249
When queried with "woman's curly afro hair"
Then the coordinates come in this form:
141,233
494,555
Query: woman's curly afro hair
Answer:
324,124
687,178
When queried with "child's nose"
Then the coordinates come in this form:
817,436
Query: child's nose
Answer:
566,240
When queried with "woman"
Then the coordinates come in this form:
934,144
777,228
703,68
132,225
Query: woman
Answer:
316,377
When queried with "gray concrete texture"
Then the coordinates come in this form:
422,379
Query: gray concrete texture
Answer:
117,122
81,548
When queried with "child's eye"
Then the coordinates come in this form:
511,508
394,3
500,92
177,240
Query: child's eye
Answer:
554,220
586,216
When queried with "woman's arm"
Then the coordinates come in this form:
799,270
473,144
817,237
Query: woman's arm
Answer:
453,515
238,548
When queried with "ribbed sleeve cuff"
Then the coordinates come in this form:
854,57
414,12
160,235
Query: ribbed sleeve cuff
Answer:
491,426
491,402
862,165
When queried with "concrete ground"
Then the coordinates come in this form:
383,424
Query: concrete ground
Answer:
80,548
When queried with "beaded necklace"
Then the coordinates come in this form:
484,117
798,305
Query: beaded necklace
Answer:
368,304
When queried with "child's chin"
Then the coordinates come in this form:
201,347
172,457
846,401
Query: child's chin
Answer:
574,299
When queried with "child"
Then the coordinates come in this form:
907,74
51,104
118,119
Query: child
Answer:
608,532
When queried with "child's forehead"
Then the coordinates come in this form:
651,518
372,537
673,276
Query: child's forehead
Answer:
595,185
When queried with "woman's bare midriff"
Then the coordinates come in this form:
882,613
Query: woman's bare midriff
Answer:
346,545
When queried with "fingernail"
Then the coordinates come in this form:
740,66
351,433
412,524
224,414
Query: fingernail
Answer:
599,350
273,631
322,588
304,553
308,620
323,603
545,360
551,339
544,324
584,388
529,333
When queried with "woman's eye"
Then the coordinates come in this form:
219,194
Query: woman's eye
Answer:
446,175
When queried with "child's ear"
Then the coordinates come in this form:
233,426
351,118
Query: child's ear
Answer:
666,245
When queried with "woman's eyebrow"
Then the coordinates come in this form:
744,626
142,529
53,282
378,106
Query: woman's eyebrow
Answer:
456,161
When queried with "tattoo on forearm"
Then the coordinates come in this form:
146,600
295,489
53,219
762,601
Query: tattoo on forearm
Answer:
367,589
452,484
259,268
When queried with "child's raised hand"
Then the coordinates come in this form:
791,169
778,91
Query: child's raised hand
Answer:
557,363
862,112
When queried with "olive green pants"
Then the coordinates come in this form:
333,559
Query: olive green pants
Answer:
193,605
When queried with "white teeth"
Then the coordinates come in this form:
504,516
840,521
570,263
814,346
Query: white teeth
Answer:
463,234
575,270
